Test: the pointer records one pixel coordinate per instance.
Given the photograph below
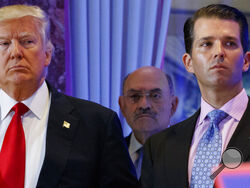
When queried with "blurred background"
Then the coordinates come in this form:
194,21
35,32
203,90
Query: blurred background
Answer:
98,42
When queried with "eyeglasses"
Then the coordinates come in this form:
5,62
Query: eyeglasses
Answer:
135,97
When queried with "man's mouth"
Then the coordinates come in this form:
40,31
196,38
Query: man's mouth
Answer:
144,115
18,68
219,66
138,116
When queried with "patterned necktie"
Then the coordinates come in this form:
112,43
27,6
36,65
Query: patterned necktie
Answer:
12,155
208,152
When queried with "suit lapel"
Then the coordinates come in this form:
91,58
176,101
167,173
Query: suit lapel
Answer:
183,134
241,136
180,150
60,131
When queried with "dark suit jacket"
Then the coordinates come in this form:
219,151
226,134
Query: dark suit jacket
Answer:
127,139
91,153
165,162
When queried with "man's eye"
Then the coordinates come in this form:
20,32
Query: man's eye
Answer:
206,44
230,43
155,95
4,43
27,42
135,97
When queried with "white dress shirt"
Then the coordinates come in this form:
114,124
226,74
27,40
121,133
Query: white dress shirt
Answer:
235,109
35,126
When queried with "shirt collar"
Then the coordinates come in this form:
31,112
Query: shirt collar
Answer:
235,107
36,102
134,144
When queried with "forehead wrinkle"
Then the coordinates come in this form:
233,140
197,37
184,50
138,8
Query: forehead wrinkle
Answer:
146,88
19,34
153,77
205,23
25,34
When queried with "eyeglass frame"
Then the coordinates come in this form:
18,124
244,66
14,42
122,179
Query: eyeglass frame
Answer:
149,95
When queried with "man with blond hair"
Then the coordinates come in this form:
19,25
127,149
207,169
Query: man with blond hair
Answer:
48,139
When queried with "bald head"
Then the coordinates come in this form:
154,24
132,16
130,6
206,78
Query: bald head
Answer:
149,70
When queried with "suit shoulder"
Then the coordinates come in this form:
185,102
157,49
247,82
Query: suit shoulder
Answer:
83,107
59,100
169,132
88,104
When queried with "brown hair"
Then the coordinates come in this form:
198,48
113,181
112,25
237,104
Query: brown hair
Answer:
220,11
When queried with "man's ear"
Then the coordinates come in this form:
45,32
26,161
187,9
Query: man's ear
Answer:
49,49
246,62
174,103
48,56
121,104
187,61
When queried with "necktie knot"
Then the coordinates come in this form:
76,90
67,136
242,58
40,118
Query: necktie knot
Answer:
20,108
216,116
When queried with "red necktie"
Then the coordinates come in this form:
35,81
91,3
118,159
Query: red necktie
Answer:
12,155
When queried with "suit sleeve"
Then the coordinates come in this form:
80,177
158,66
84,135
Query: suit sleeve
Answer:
147,175
117,169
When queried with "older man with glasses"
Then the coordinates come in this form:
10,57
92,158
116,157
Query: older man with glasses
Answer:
147,103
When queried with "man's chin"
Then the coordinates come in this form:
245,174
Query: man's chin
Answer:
146,123
20,80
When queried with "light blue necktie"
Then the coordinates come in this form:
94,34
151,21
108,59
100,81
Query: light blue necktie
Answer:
208,152
138,162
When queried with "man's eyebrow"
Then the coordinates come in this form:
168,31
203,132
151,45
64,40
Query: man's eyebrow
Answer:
224,37
205,38
231,38
133,91
137,91
156,90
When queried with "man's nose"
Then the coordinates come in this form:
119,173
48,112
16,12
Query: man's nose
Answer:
16,50
145,102
219,52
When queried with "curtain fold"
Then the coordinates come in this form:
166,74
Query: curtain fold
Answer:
106,40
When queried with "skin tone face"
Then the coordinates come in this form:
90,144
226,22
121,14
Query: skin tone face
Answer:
147,113
217,58
23,57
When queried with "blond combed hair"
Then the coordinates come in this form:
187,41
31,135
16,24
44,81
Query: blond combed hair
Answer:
18,11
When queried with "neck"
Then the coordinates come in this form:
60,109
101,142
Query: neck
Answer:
20,92
141,137
217,97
